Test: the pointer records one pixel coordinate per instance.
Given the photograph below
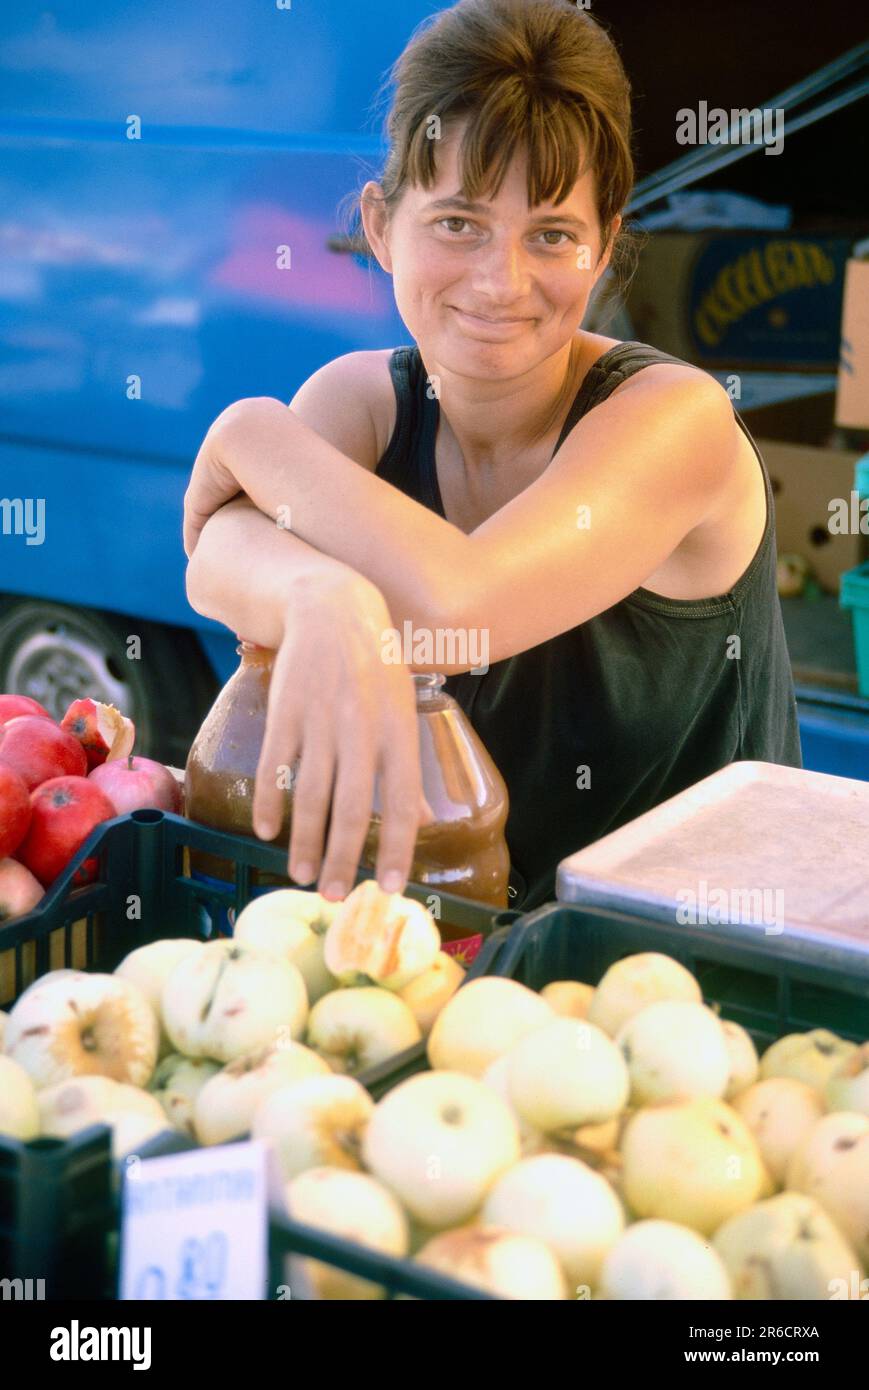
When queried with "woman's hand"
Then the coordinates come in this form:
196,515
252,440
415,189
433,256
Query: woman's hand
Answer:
214,479
350,717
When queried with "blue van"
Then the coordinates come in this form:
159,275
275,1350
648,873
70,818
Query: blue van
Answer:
170,240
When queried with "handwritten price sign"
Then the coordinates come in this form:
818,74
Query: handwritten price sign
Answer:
195,1225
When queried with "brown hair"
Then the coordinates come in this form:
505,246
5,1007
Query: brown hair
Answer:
540,74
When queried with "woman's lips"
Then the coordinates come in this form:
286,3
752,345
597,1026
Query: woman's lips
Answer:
490,325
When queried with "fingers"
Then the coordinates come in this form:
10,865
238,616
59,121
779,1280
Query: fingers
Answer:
282,739
403,808
311,796
351,817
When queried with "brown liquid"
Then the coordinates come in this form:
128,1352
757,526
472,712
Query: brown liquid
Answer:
463,852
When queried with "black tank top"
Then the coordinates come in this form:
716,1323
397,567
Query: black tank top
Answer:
607,720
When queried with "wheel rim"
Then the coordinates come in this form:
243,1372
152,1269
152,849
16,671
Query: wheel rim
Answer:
56,668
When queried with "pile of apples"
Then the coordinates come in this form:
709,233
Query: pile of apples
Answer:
611,1142
60,780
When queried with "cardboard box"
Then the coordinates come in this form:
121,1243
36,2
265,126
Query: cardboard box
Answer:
852,396
804,482
742,299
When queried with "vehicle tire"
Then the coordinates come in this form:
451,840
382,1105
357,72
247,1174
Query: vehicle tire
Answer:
58,654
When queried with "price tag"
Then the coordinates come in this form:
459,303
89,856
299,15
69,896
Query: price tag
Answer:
195,1225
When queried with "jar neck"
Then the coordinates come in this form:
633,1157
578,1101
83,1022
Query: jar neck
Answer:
429,686
251,652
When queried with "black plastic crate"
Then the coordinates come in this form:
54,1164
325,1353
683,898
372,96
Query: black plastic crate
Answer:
771,986
59,1198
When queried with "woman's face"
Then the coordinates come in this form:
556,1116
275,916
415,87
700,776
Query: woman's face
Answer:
492,289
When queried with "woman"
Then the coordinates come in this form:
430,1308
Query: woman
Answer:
592,512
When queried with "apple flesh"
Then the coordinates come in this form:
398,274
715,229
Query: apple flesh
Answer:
784,1248
501,1262
674,1049
102,730
137,784
224,1001
637,981
439,1141
75,1024
566,1074
352,1205
562,1202
133,1115
380,937
812,1057
291,923
19,1110
316,1122
176,1083
14,810
19,890
354,1029
779,1112
11,706
481,1022
661,1261
225,1107
64,811
694,1162
38,749
831,1164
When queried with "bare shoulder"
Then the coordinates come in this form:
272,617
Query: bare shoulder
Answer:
347,402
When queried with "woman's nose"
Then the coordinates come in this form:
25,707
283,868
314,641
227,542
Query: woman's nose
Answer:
501,272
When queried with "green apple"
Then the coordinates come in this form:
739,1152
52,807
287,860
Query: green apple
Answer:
497,1077
674,1050
744,1061
316,1122
779,1112
501,1262
149,967
784,1248
354,1029
177,1082
562,1202
694,1162
848,1086
481,1022
354,1206
566,1074
290,923
19,1111
439,1141
660,1261
635,982
831,1164
225,1106
811,1057
568,998
428,993
132,1114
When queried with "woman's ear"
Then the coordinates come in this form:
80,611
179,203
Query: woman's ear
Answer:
375,223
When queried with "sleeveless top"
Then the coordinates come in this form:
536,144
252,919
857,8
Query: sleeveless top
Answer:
605,721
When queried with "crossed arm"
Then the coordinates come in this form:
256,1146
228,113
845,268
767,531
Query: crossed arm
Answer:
634,477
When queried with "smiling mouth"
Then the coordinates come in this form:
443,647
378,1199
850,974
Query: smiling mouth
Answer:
483,319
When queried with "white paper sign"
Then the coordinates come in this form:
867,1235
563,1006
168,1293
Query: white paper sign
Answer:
195,1225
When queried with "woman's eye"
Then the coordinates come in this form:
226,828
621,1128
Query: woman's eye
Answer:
553,231
463,220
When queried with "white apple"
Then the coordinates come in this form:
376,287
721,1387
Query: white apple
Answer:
674,1049
566,1074
380,937
428,993
744,1061
497,1077
831,1164
784,1248
177,1082
133,1115
499,1261
661,1261
291,923
779,1112
149,967
568,998
352,1205
481,1022
439,1141
19,1111
562,1202
635,982
225,1107
75,1024
354,1029
811,1057
694,1162
848,1086
314,1123
227,1000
